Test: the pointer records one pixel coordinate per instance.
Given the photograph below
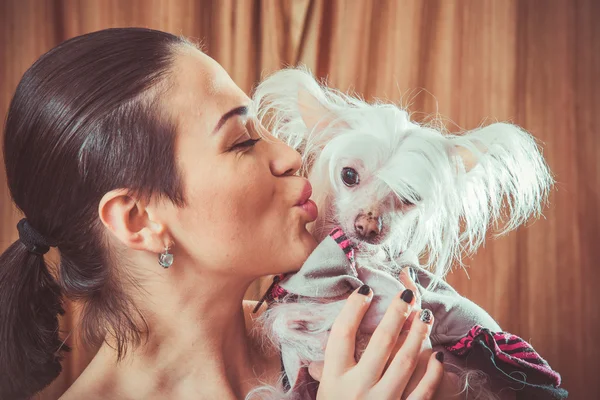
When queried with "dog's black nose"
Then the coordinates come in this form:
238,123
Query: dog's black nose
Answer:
368,227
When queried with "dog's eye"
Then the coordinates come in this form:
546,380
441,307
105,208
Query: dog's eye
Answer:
350,176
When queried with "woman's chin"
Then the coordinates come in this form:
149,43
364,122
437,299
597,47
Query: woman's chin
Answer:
310,242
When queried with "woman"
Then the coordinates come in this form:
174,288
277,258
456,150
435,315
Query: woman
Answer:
130,150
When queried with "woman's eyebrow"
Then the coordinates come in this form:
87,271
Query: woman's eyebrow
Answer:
243,111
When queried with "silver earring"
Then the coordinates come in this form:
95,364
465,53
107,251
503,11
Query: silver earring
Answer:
165,259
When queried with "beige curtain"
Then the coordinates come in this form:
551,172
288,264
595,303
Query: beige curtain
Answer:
533,62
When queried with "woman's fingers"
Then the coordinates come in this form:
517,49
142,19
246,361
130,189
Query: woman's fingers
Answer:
400,370
339,353
341,377
385,337
432,379
408,283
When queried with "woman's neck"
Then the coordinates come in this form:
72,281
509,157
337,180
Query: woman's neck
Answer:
197,344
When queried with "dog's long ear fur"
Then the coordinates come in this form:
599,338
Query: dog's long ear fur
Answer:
498,182
300,111
508,179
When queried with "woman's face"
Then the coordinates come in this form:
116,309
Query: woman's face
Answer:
242,215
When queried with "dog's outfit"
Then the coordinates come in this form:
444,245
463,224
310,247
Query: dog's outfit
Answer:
466,334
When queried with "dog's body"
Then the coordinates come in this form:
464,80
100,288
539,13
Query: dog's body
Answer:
399,191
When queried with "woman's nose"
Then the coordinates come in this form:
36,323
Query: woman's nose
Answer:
286,160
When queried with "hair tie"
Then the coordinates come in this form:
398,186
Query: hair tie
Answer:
32,239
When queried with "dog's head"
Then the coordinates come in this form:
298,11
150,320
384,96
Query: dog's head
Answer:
389,182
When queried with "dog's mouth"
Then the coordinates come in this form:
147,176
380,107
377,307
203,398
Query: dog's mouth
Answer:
376,241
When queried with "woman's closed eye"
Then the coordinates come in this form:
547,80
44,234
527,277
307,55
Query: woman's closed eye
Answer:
249,132
244,144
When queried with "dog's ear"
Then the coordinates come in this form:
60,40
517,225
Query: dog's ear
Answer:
468,157
507,179
314,113
294,107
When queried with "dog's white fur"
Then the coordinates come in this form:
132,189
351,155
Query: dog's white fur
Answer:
437,193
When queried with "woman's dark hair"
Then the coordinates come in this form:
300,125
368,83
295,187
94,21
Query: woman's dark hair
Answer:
85,119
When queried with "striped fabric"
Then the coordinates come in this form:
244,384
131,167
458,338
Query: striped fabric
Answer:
340,238
509,353
507,348
272,293
278,291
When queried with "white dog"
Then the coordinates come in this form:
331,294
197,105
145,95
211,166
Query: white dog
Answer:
401,193
391,182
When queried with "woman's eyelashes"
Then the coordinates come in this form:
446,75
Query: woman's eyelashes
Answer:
248,137
244,145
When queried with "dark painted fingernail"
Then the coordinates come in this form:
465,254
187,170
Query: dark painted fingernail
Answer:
440,356
364,290
407,296
426,316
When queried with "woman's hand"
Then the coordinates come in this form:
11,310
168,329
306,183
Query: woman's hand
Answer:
373,377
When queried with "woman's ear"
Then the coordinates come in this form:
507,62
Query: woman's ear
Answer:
129,220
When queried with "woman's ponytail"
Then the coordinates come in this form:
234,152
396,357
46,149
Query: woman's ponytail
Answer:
86,118
30,301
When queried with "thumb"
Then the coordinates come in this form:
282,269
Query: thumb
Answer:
315,369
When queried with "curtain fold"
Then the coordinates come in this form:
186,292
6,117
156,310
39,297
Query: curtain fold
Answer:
459,63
